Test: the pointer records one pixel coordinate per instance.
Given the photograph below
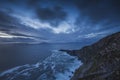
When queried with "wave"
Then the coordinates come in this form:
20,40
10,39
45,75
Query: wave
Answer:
58,66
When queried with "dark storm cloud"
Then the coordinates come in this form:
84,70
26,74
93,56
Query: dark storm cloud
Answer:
11,25
33,2
99,10
98,16
6,21
52,15
94,17
95,10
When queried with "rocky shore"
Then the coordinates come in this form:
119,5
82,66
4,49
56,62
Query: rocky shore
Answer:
101,61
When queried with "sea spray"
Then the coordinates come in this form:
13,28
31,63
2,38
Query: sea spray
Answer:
58,66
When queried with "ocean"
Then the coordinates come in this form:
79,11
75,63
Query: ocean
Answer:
38,61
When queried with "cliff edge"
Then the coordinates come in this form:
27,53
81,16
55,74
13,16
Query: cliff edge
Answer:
101,61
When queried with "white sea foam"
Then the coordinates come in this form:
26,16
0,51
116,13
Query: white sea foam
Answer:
13,69
68,73
58,66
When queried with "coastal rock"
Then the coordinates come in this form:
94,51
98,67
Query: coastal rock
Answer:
101,61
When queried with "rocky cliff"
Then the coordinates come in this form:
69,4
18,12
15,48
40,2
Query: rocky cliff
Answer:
101,61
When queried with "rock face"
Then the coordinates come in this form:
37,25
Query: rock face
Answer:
101,61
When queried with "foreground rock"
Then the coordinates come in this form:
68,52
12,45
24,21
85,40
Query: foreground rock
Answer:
101,60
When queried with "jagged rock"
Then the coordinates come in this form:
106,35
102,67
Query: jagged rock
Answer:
101,60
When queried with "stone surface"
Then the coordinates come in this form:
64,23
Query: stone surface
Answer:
101,61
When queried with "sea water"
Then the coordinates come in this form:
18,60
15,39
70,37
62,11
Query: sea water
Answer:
39,62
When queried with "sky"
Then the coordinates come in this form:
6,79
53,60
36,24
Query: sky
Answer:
58,20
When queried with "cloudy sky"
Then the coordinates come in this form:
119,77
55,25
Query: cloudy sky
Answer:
58,20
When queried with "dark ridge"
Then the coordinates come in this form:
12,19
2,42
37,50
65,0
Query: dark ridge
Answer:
101,61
